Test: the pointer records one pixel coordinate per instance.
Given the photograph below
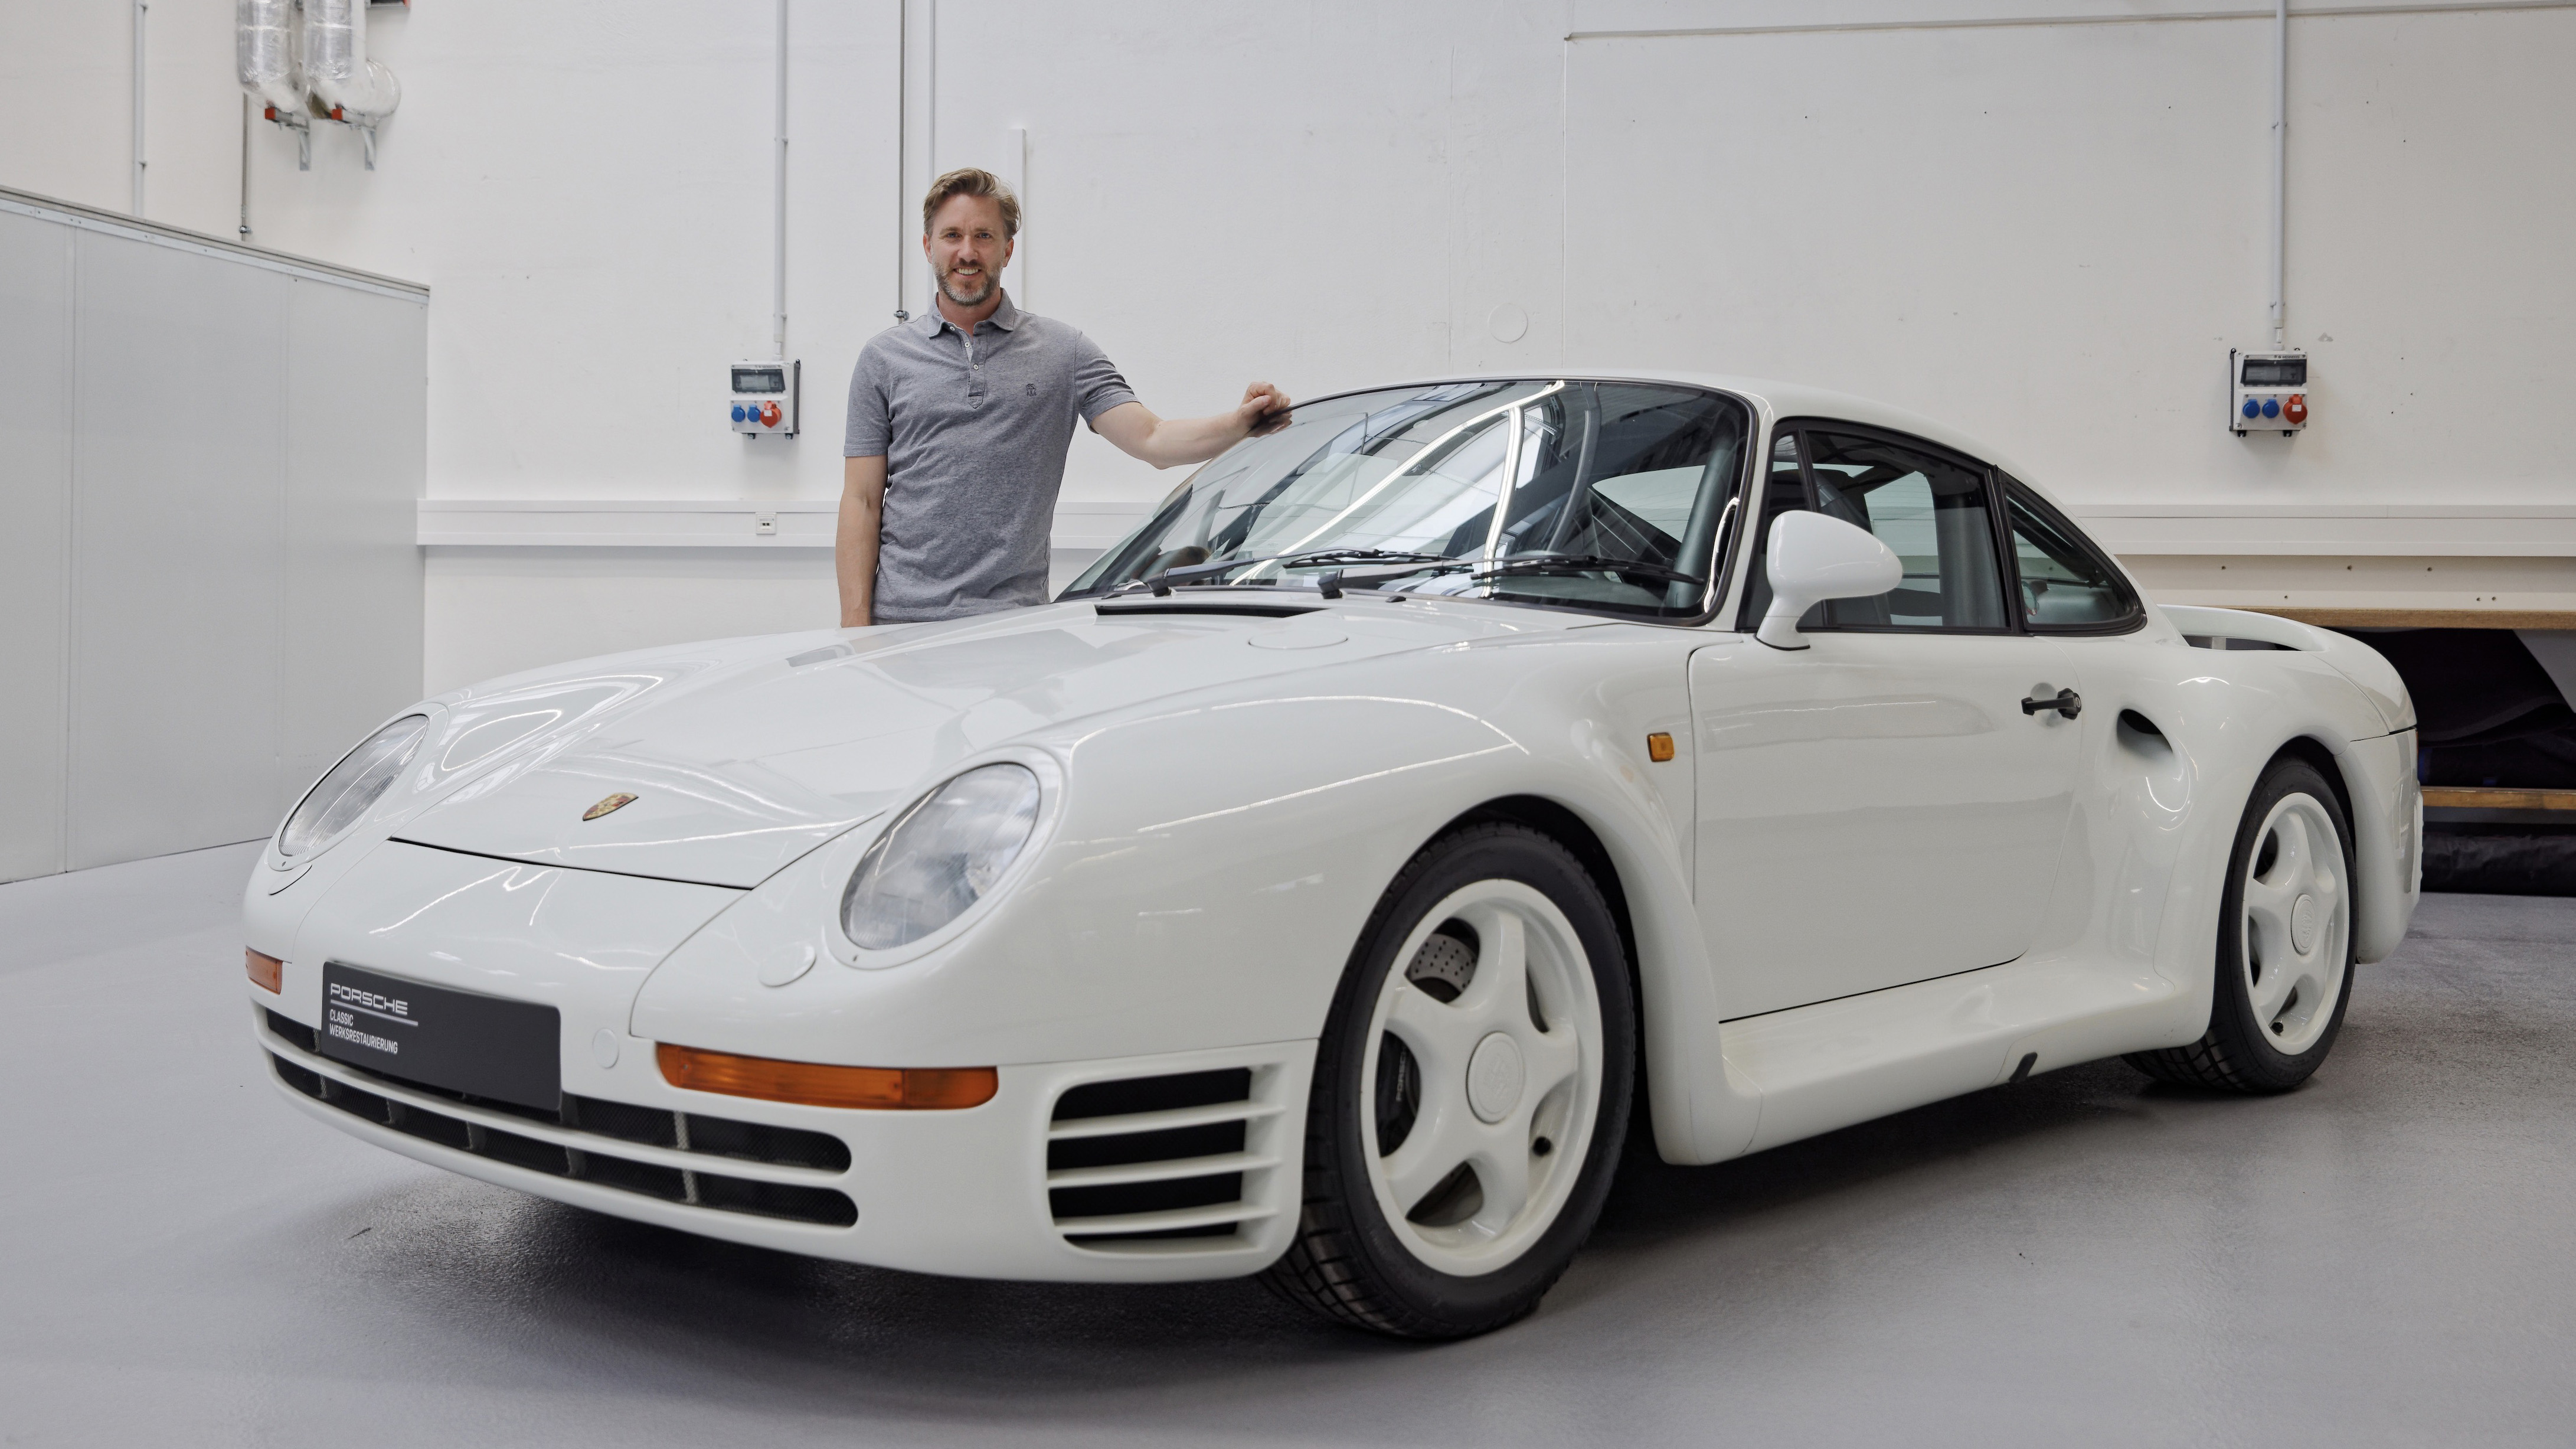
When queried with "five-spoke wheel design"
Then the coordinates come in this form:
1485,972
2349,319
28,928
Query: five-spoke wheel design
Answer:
2297,923
1471,1090
1485,1052
2284,960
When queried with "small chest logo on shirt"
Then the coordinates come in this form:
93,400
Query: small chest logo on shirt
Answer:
1033,389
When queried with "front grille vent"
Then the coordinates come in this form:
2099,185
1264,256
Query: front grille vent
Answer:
652,1126
611,1122
792,1201
1159,1164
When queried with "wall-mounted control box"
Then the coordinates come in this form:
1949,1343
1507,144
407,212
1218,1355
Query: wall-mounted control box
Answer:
764,397
2267,392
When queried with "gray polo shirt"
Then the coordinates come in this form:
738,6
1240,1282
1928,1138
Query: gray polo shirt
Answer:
973,431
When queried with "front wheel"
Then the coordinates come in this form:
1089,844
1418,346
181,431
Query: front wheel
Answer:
2284,944
1471,1092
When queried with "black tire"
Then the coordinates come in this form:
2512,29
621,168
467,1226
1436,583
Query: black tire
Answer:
2236,1053
1347,1263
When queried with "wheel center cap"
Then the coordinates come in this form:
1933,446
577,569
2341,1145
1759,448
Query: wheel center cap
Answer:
1495,1076
2303,924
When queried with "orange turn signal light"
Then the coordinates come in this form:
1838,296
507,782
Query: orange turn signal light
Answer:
266,972
1659,747
815,1085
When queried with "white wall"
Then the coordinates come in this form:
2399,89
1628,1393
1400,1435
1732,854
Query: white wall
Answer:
2051,235
2048,233
67,109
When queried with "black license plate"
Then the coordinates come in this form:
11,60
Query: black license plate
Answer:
484,1046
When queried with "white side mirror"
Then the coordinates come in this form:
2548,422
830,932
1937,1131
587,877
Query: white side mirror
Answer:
1813,558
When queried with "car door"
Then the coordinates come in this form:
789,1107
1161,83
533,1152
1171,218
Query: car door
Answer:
1879,808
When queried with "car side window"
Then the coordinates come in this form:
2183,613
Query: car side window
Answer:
1932,511
2064,582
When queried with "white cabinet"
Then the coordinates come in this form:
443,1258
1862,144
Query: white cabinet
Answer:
210,460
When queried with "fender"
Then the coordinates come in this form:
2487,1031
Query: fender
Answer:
2225,715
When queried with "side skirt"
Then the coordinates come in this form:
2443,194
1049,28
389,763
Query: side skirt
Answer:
1839,1062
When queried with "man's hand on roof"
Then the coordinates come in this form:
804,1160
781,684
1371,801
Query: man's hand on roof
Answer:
1264,410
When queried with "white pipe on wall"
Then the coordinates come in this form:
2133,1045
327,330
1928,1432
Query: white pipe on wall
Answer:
778,261
336,66
930,92
2025,22
264,53
2280,169
141,9
907,246
1015,174
902,145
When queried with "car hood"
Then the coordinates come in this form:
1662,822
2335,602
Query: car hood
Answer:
741,762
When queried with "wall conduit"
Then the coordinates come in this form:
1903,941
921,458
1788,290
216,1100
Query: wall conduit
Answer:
778,201
902,141
142,8
2280,168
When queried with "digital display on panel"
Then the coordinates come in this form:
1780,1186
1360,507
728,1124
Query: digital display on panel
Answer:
760,379
2276,372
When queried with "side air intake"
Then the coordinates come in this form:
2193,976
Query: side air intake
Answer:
1165,1164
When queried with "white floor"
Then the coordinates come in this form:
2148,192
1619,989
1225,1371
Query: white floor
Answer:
2387,1257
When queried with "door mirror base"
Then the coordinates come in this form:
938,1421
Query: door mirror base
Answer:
1781,632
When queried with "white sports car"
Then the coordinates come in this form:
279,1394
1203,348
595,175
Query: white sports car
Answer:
1430,793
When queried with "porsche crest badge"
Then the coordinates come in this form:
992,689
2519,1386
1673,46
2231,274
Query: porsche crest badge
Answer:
608,806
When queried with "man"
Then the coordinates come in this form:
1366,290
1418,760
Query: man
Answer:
958,426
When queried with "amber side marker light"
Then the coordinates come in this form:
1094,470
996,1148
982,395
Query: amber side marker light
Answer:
266,972
815,1085
1659,747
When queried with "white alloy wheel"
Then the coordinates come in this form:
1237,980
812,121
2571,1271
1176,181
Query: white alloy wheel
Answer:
2297,923
1487,1052
2283,967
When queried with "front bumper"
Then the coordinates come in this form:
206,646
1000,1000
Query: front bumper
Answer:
1131,1195
1057,1177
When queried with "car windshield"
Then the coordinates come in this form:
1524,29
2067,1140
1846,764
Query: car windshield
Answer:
1598,495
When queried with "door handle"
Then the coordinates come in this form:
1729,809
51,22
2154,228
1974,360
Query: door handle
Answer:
2067,703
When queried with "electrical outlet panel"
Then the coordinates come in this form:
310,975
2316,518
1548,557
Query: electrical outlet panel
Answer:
764,397
2267,392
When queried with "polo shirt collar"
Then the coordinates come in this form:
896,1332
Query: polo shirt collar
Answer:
1006,317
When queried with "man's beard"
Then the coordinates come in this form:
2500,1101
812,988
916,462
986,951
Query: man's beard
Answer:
948,289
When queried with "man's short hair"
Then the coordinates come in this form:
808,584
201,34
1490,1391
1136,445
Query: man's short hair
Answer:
971,181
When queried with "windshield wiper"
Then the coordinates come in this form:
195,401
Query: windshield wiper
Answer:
1587,563
1361,555
1406,564
1561,563
1195,575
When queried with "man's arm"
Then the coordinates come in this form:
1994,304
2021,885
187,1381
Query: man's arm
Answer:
854,548
1165,442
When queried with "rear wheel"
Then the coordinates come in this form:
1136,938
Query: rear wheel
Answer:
1471,1092
2284,944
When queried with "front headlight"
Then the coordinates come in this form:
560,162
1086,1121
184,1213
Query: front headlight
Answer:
357,782
940,856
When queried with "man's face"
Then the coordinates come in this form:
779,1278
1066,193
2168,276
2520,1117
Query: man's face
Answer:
967,249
